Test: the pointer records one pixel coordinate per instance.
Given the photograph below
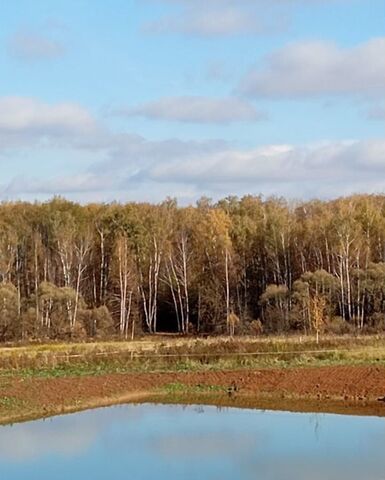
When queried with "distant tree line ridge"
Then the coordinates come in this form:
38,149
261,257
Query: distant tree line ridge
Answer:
244,265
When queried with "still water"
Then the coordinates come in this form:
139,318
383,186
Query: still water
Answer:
198,443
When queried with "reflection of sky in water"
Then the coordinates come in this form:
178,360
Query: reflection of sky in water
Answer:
174,442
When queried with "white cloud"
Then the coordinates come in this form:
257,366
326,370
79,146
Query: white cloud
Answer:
26,121
152,170
31,47
79,183
138,169
196,109
123,166
229,20
279,163
227,17
319,68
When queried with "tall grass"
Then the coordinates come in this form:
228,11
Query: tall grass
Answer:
190,355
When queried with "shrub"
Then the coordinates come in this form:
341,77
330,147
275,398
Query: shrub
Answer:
338,326
256,327
97,321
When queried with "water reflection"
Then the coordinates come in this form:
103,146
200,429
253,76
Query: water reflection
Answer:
172,442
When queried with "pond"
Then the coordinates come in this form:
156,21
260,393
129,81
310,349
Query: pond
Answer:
140,442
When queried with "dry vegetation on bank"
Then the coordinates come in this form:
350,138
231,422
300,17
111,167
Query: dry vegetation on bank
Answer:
167,353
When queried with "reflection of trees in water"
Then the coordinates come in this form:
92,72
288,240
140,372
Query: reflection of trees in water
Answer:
315,420
221,408
199,409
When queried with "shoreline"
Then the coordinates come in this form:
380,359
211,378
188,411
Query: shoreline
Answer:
299,405
349,390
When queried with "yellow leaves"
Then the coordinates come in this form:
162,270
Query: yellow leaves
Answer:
217,226
318,312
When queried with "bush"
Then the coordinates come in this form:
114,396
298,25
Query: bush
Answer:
338,326
256,327
375,323
97,321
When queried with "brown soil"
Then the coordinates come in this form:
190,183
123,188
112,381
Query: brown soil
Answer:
34,397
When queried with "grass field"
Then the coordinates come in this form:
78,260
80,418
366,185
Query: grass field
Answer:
157,353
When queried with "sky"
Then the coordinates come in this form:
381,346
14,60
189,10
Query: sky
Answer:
139,100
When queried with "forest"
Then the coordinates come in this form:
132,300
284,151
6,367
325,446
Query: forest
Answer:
238,266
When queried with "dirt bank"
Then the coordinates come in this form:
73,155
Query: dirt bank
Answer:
22,398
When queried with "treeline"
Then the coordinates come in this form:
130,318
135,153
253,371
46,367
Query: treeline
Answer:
238,266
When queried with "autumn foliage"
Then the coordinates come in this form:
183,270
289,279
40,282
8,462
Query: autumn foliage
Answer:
72,271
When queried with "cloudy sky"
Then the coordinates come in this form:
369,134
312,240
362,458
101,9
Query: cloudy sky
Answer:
144,99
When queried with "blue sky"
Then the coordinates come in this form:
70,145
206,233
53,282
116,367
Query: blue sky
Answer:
143,99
